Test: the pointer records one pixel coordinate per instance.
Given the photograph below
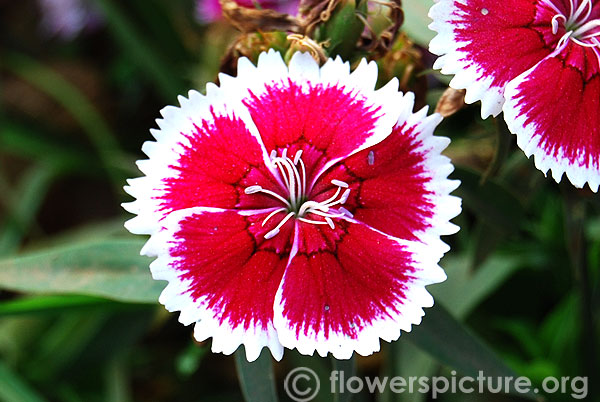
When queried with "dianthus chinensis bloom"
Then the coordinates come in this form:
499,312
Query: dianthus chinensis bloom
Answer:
539,61
296,207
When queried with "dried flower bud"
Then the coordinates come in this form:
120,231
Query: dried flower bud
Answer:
250,45
383,23
301,43
252,20
451,101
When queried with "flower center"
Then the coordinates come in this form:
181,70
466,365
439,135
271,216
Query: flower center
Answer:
578,26
293,176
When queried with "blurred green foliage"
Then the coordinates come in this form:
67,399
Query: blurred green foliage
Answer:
79,317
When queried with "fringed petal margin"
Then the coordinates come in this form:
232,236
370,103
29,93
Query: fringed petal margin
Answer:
554,109
345,289
487,43
223,275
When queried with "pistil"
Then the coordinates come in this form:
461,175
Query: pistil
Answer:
293,176
578,29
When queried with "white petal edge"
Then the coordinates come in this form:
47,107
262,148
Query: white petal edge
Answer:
467,74
578,174
177,122
429,249
341,346
303,70
226,338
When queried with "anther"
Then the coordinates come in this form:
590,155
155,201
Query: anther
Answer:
297,157
339,183
275,231
253,189
272,234
346,212
345,196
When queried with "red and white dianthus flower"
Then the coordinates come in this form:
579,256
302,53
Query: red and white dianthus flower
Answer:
296,207
539,62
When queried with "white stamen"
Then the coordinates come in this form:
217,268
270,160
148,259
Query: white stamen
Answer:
346,212
313,222
275,231
575,16
555,22
272,234
272,214
485,11
252,189
303,176
259,189
579,29
293,177
345,196
339,183
550,4
326,214
588,26
297,157
564,40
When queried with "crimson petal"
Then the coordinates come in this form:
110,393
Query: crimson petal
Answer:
554,109
206,158
487,43
400,185
328,112
223,274
346,288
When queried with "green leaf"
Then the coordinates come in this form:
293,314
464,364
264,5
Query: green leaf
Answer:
49,304
343,30
416,21
62,343
453,345
348,368
117,380
257,379
142,54
465,288
109,268
189,359
13,388
75,102
20,140
490,201
406,360
24,206
318,380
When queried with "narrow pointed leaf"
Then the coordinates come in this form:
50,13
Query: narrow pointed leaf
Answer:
108,268
257,379
348,367
453,345
13,388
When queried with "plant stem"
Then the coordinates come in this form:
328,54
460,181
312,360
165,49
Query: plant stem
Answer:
575,216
